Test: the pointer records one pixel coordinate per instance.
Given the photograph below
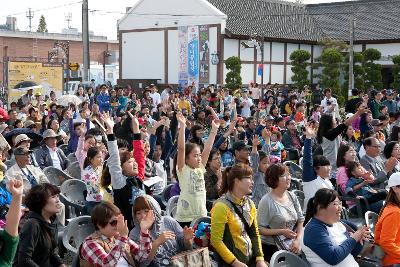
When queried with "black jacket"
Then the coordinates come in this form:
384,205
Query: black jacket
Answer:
38,241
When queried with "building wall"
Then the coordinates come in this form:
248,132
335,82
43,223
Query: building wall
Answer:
153,54
277,68
23,47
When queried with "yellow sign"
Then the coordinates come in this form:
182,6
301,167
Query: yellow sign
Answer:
74,66
41,77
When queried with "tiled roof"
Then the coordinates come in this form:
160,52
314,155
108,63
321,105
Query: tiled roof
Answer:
375,19
275,19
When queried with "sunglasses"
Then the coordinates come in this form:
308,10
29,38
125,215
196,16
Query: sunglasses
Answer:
113,223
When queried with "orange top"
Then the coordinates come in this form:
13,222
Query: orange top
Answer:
387,234
299,117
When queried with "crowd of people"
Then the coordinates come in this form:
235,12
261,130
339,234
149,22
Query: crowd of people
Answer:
224,153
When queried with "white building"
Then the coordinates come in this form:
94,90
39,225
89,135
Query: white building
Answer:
149,35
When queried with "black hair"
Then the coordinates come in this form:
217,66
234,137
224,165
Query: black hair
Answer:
38,196
325,125
387,151
394,135
368,141
319,161
91,153
323,197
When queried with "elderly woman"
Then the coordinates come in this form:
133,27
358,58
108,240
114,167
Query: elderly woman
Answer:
169,237
109,245
326,241
280,216
234,229
38,237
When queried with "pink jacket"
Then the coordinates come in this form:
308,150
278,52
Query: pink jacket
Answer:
342,178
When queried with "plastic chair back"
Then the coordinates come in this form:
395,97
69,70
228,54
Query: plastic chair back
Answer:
56,176
64,148
76,232
71,157
283,258
172,206
74,170
371,218
165,195
300,197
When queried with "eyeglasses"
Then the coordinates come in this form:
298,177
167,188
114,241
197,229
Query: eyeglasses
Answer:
113,223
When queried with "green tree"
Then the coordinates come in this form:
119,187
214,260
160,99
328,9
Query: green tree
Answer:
396,72
331,60
299,67
42,25
233,79
373,74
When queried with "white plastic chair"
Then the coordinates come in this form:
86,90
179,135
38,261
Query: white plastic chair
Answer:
371,218
283,258
74,169
72,195
198,220
76,232
56,176
172,206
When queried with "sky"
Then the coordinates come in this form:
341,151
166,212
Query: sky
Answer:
103,15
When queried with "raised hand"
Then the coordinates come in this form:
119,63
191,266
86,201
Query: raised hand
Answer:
15,187
215,124
188,233
181,119
122,226
108,121
256,141
147,221
163,237
134,123
310,132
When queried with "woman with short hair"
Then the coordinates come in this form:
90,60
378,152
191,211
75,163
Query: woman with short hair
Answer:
39,235
109,245
280,216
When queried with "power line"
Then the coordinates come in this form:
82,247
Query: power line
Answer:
42,9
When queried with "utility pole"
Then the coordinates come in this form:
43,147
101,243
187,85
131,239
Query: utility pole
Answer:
351,53
30,15
68,19
85,40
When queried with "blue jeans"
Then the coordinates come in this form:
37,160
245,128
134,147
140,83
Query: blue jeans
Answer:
89,205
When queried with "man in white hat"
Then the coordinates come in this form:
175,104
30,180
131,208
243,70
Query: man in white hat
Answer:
22,140
49,154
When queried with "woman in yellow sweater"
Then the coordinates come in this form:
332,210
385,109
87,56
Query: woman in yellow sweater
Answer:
234,229
387,229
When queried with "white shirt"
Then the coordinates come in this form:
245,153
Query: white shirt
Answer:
164,95
247,104
337,235
326,107
310,188
255,93
156,100
55,158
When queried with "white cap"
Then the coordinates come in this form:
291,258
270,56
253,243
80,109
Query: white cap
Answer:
394,180
349,115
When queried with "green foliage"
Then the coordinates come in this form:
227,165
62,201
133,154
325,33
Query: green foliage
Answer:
335,44
42,25
233,79
331,60
371,54
299,62
396,72
373,71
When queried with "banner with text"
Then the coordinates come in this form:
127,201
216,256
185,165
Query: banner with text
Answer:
183,57
41,77
193,56
204,54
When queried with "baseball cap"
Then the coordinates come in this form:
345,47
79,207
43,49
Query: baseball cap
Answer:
22,151
389,92
240,145
394,180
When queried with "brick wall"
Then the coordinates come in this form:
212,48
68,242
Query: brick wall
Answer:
23,47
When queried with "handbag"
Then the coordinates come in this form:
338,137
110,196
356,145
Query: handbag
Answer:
193,258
